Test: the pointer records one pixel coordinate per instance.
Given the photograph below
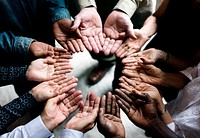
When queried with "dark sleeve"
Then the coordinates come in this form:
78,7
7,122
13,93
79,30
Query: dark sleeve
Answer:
15,109
58,10
10,73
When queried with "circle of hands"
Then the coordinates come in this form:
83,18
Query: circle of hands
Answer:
136,96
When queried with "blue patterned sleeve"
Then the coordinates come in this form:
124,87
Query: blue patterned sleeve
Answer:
10,73
15,109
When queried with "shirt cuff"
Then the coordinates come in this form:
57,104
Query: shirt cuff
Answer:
22,45
127,6
37,128
85,3
172,126
70,133
60,14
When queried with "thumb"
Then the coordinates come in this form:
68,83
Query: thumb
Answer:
76,24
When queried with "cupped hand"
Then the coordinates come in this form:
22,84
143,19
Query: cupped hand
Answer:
84,120
66,37
47,89
90,25
139,107
57,109
117,26
109,123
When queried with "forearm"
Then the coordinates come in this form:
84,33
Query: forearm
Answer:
150,26
174,80
158,128
15,109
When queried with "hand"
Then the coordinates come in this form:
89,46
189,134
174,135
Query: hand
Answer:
117,26
138,86
67,38
85,118
139,107
150,56
90,24
147,73
57,109
47,89
41,50
46,69
109,122
131,46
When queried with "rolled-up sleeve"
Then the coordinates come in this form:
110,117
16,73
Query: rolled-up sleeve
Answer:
11,44
85,3
58,10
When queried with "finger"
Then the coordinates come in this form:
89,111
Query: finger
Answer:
92,42
124,96
109,103
109,47
117,113
113,105
71,46
106,43
101,39
76,23
49,61
98,43
102,106
116,46
87,103
96,107
80,43
75,45
123,104
73,98
64,45
86,43
68,80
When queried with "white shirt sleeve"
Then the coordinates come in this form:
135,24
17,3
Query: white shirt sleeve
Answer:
171,126
70,133
33,129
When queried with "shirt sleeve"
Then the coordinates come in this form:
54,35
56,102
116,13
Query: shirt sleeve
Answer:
171,126
58,10
33,129
70,133
15,109
15,45
85,3
127,6
192,72
12,73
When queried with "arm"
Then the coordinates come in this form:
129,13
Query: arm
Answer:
33,129
143,113
56,110
15,109
14,45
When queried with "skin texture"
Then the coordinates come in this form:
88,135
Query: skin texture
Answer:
109,122
57,109
85,119
49,89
